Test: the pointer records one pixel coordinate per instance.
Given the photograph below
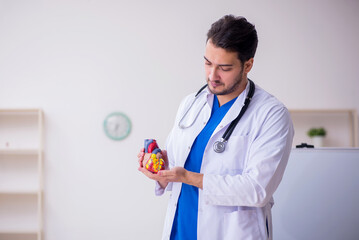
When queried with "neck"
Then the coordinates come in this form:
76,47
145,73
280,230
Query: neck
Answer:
223,99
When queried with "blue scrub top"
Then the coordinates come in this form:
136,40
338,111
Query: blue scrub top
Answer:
185,221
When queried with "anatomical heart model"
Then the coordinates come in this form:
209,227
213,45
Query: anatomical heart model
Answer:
155,163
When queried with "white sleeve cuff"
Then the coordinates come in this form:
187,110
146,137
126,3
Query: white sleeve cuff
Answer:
159,190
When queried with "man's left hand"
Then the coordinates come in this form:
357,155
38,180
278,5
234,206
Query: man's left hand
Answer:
176,174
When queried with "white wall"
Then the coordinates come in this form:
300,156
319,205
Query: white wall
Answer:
81,60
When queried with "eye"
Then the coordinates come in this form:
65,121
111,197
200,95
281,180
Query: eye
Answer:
207,63
226,69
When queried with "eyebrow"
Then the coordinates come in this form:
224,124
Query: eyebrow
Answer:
221,65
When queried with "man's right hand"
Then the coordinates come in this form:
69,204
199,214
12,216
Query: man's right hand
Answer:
142,160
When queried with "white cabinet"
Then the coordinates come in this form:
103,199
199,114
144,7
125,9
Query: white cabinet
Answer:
341,126
21,171
318,196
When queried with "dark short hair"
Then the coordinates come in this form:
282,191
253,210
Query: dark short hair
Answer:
235,34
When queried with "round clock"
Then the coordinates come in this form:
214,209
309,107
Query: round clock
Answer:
117,126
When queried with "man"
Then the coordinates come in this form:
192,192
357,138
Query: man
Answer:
228,194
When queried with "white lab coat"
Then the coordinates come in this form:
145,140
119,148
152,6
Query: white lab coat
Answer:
238,184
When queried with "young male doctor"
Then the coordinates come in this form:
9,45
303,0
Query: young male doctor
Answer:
222,182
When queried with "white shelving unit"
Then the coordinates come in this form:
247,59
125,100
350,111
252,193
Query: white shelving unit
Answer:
21,174
341,126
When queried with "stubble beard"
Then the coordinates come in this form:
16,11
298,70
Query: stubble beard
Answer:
230,89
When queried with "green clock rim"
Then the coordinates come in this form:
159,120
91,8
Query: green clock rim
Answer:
128,130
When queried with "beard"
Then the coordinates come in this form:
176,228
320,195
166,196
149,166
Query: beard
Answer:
231,88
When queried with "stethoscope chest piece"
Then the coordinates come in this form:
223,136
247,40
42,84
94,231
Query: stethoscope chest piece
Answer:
219,146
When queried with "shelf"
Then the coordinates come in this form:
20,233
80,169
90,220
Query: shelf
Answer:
18,213
19,151
21,174
341,126
325,149
20,130
19,236
18,192
10,231
20,110
349,111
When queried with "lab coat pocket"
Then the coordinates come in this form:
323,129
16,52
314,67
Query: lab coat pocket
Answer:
242,225
234,156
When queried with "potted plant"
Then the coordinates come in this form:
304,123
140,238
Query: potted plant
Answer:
317,134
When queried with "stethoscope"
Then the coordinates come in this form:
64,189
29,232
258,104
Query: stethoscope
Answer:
220,146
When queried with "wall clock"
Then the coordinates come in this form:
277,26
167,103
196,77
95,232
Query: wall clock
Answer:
117,126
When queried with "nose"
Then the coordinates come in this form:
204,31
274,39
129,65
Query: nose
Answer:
213,74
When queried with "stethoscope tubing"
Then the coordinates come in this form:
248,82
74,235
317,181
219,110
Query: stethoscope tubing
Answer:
219,146
227,134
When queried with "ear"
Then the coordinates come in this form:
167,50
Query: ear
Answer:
248,65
